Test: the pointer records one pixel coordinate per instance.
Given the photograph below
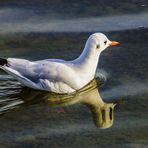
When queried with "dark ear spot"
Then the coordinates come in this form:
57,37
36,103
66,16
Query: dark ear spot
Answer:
97,46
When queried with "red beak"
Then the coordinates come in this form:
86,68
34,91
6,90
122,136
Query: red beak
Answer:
114,43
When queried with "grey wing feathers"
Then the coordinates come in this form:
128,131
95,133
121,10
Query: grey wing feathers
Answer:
44,70
34,70
24,67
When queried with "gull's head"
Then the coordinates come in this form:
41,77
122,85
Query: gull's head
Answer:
99,42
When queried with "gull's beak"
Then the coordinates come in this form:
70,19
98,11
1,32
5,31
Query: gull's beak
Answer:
114,43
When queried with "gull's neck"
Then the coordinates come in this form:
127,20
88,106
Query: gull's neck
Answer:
87,62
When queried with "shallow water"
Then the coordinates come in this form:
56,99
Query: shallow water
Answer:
32,118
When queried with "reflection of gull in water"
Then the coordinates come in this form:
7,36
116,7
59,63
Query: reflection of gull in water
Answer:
102,112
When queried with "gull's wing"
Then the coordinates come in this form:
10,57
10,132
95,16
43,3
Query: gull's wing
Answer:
19,77
24,68
39,72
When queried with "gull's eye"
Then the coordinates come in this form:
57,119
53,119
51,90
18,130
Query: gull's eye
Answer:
105,42
97,46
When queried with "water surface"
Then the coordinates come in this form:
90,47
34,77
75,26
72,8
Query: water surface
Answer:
29,119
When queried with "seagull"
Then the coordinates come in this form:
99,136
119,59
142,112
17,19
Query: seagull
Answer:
57,75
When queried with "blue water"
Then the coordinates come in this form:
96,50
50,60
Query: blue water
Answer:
29,119
34,31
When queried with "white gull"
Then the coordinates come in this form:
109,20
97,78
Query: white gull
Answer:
57,75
